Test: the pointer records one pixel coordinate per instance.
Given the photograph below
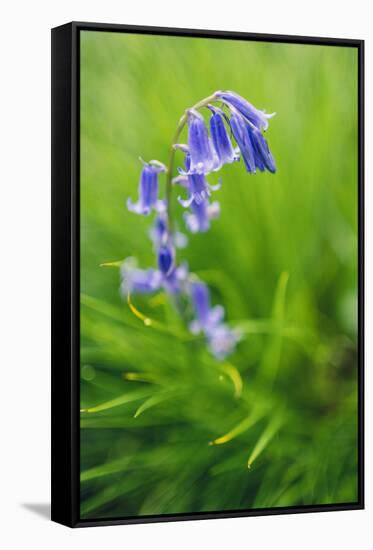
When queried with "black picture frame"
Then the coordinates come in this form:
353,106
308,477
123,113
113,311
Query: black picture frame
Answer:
66,270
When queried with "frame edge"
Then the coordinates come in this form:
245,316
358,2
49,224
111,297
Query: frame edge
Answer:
62,379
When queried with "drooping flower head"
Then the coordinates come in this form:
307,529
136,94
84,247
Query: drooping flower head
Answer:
203,154
253,145
247,123
148,188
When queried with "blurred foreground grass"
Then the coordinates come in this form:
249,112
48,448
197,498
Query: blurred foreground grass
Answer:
164,427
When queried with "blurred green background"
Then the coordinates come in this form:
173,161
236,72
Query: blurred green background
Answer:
165,428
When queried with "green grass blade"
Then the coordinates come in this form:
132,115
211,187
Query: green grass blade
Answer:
233,373
152,402
240,428
117,402
269,432
272,354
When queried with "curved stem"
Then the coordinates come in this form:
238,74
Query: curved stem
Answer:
171,158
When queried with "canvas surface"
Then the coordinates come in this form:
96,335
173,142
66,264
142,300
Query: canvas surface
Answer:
168,427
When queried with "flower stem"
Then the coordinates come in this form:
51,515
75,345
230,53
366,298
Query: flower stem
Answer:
171,158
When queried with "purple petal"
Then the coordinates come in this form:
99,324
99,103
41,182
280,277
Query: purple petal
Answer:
258,118
241,135
216,316
198,220
202,154
137,207
175,281
222,341
148,188
186,202
220,137
166,256
263,156
200,297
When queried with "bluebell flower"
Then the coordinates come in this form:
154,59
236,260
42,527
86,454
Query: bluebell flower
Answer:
166,258
253,145
203,157
257,117
206,317
159,232
199,189
143,281
176,281
242,136
148,188
263,156
221,339
220,138
198,221
146,281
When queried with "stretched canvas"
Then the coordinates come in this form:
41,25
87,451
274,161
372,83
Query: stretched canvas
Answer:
207,274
